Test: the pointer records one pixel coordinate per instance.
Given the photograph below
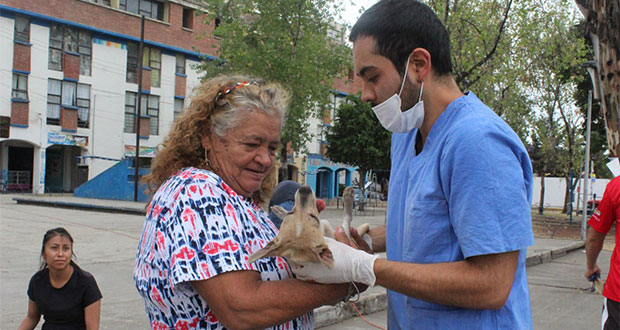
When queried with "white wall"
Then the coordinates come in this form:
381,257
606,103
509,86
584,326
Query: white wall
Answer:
555,189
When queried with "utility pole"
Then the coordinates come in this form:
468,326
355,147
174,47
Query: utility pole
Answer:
586,175
138,112
592,68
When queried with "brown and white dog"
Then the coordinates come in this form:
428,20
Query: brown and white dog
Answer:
301,234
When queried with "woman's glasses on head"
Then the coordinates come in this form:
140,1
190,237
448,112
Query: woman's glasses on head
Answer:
229,89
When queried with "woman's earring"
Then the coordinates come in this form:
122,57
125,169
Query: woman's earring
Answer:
207,163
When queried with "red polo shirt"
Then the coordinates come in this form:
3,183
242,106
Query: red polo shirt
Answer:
606,215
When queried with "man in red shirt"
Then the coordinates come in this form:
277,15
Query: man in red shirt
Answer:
606,215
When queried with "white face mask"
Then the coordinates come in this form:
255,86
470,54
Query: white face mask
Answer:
393,119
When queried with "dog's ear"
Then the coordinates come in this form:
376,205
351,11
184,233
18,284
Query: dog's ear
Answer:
324,255
279,211
271,249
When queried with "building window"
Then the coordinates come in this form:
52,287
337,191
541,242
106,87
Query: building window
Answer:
151,58
153,113
149,107
178,107
188,18
85,48
132,62
64,38
130,112
55,57
22,29
69,94
148,8
53,101
102,2
180,66
83,104
20,86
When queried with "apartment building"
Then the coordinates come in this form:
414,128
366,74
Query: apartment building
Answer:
69,84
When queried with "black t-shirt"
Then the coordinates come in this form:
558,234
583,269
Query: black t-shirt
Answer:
64,308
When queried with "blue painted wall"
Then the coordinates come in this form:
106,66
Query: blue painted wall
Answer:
324,171
114,183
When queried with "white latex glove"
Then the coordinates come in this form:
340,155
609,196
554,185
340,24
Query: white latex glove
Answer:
350,265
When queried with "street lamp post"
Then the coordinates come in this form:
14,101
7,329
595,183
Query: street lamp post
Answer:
592,71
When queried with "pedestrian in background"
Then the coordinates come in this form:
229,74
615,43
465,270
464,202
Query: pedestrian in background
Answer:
66,295
284,196
205,219
606,216
458,215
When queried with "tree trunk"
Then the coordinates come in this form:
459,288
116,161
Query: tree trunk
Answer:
541,201
283,171
602,21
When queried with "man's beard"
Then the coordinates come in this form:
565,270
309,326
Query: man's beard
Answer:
410,95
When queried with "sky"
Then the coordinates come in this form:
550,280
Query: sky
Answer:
351,9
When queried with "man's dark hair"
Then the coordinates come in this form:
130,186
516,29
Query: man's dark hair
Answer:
400,26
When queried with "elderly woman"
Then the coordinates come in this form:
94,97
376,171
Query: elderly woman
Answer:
204,220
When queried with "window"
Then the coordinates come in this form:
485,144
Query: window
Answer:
68,94
180,67
151,57
53,101
55,57
188,18
149,107
69,91
132,62
22,29
148,8
178,107
85,47
20,86
153,113
63,38
102,2
83,104
130,112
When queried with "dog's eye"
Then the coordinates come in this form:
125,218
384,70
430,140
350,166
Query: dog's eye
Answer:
314,217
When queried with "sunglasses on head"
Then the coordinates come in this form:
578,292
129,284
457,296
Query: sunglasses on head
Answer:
229,89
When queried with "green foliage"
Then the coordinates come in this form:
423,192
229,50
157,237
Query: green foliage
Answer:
282,41
357,138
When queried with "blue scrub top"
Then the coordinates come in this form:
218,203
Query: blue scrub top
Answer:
467,193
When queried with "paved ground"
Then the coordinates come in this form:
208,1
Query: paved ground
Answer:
559,293
105,244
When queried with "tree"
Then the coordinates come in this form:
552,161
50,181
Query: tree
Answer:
357,138
555,69
601,25
284,41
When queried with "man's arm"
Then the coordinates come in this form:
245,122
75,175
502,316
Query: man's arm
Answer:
594,244
482,282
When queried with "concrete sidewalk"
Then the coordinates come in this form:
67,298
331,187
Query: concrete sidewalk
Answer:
373,300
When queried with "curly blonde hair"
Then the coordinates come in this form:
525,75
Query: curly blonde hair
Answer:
218,105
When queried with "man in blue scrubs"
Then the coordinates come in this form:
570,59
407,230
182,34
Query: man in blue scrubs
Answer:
458,217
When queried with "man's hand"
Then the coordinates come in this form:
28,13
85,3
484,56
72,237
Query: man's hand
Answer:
358,242
350,265
591,271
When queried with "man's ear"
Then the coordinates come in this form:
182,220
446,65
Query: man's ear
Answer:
421,62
